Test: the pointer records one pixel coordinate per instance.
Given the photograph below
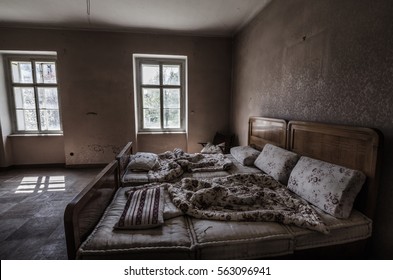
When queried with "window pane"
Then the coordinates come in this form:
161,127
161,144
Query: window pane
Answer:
45,72
26,120
151,98
22,72
151,118
47,98
171,118
171,74
172,98
150,74
50,119
24,98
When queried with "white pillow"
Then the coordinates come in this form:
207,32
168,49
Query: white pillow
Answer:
277,162
142,161
330,187
245,154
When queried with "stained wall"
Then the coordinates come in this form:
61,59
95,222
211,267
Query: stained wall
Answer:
96,90
325,61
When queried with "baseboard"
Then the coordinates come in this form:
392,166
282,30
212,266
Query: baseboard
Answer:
53,165
23,166
3,169
80,166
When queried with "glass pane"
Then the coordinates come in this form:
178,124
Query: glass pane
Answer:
47,98
151,118
26,120
24,98
22,72
50,120
171,74
172,98
171,118
151,98
150,74
46,72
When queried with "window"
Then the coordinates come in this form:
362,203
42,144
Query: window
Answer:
34,94
160,93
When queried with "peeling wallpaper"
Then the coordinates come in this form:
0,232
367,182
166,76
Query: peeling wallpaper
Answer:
326,61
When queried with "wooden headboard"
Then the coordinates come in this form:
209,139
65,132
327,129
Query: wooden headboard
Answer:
353,147
266,130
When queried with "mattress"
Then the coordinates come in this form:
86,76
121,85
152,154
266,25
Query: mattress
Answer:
171,241
183,237
356,227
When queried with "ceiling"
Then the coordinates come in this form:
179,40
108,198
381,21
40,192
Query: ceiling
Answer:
191,17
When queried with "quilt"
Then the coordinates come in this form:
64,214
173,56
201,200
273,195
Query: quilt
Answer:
172,164
244,197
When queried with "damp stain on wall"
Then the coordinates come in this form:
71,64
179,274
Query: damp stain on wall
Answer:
97,148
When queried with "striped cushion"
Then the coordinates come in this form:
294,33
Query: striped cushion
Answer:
144,209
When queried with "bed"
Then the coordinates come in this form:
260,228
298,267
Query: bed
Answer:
261,132
91,216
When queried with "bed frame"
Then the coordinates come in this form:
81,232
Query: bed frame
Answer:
352,147
123,159
85,210
263,131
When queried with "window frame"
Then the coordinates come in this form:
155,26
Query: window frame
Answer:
160,60
35,85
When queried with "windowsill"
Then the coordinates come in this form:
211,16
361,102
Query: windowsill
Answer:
35,134
161,132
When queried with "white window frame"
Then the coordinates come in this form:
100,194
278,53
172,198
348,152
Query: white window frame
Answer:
34,85
140,59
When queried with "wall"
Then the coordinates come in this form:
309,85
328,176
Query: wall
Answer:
96,87
5,121
30,150
326,61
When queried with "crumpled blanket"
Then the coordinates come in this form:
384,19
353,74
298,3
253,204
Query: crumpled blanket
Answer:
244,197
203,162
172,165
167,168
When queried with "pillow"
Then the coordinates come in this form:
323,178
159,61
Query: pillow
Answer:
330,187
142,161
276,162
245,154
209,148
144,209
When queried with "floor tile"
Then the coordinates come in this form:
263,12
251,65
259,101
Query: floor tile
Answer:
32,203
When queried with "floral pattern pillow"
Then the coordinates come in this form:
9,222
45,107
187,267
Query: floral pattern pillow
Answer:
245,154
142,161
277,162
330,187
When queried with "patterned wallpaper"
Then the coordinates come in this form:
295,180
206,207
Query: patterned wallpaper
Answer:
327,61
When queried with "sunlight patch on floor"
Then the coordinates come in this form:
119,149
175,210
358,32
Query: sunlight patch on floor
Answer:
39,184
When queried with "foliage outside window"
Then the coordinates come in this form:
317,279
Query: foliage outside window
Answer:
34,94
160,85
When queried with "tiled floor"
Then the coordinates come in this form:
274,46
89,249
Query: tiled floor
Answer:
32,203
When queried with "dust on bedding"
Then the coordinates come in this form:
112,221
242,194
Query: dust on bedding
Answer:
244,197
